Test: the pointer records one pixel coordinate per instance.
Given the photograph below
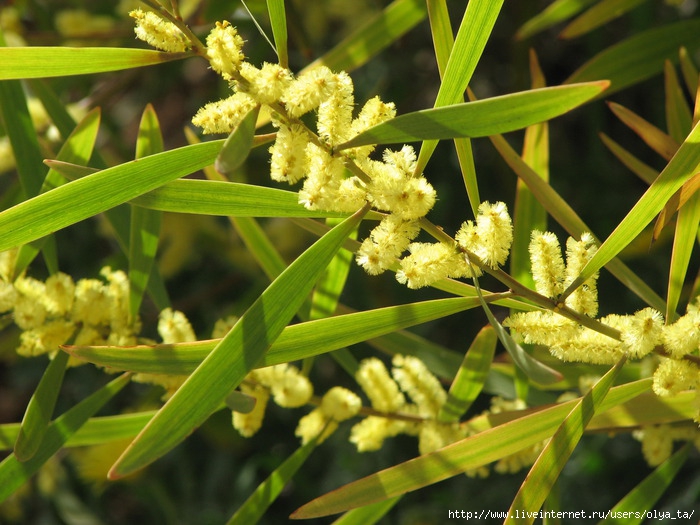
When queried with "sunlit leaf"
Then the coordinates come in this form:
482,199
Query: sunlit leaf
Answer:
237,146
243,348
45,62
554,13
639,57
596,16
278,21
679,119
556,453
656,139
469,453
101,191
481,118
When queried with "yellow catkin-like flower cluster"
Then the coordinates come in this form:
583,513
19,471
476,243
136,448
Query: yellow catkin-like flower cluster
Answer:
58,311
657,441
159,33
225,49
338,404
284,383
492,235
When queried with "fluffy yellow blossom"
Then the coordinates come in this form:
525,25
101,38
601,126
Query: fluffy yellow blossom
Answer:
29,311
492,235
223,326
683,336
657,443
174,327
309,90
372,113
159,33
434,436
225,49
335,113
91,304
420,384
381,389
289,387
288,154
8,296
8,261
248,424
548,270
223,116
369,434
644,332
315,424
428,263
386,243
674,375
45,338
340,404
267,84
585,298
59,293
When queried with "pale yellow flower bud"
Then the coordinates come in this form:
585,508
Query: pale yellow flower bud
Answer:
174,327
683,336
386,242
369,434
223,326
159,33
91,304
59,294
224,49
585,298
335,113
372,113
45,338
657,443
428,263
8,296
8,260
289,387
490,239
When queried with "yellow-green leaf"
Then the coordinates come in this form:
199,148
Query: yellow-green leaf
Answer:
596,16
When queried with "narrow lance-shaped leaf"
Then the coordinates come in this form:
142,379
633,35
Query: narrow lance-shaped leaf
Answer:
679,119
469,381
240,351
238,144
683,243
675,203
683,165
689,70
369,514
556,12
646,495
639,168
40,408
96,193
296,341
474,31
639,57
596,16
266,493
556,453
472,452
278,21
145,224
481,118
14,473
55,61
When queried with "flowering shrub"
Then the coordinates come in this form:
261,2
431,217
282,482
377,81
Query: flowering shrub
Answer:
348,161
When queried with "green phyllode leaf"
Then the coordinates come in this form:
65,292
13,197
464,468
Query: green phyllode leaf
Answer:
101,191
472,452
278,21
145,224
45,62
266,493
639,57
599,14
544,473
556,12
296,341
235,355
682,166
14,473
238,144
40,408
481,118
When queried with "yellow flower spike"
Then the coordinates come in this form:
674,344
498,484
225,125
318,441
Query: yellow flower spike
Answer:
381,389
308,91
159,33
683,336
419,383
492,235
585,298
225,49
91,304
267,84
223,116
548,270
657,443
386,242
369,434
427,263
288,159
8,296
59,294
335,113
314,424
289,388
